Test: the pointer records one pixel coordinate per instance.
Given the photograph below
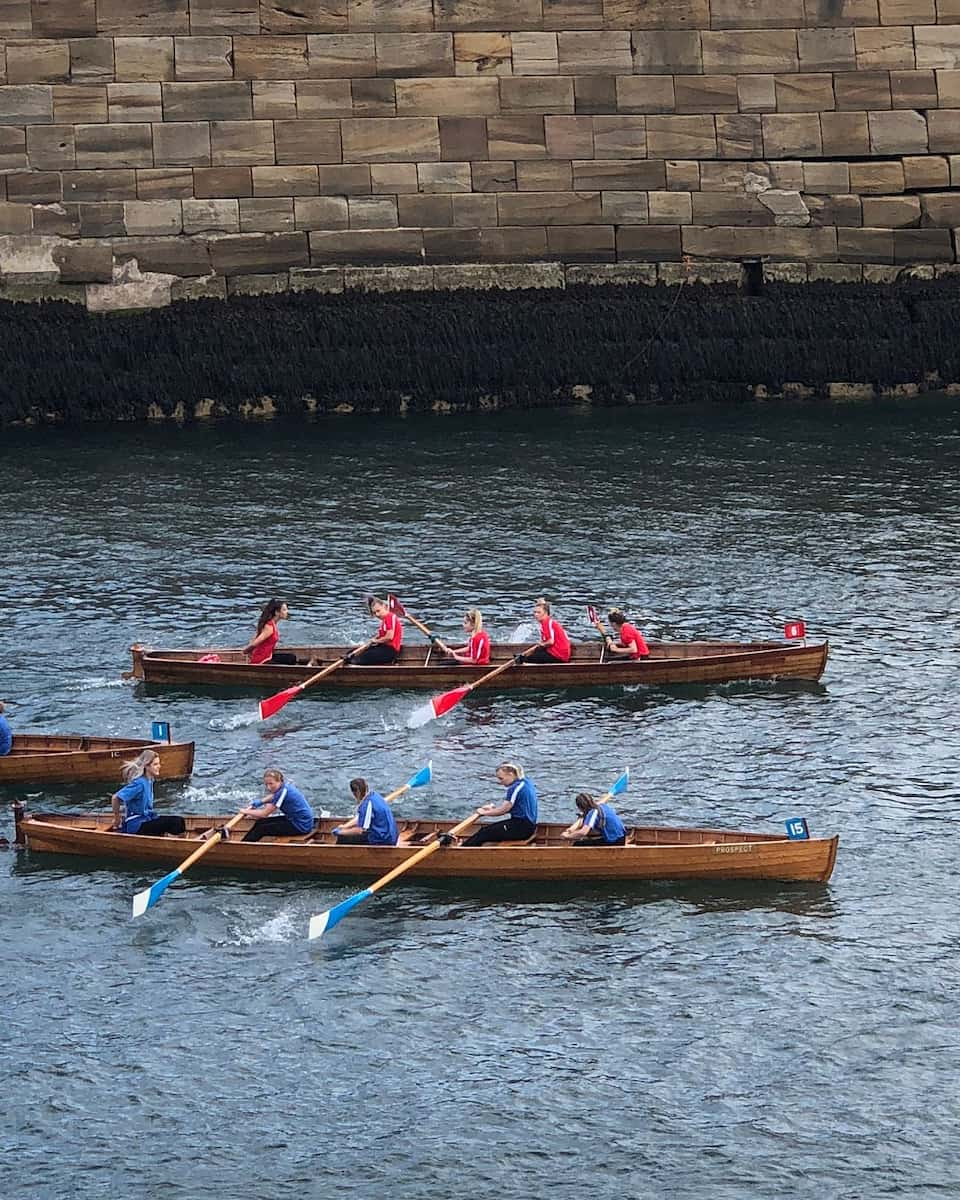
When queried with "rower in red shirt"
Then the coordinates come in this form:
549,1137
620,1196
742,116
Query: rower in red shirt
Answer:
477,650
262,647
385,648
630,643
554,643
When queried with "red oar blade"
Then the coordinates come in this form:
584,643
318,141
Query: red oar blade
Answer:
273,704
436,706
393,603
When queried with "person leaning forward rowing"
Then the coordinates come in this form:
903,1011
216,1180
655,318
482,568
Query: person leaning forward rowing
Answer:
477,650
384,649
554,645
283,811
519,805
630,642
373,824
133,803
597,825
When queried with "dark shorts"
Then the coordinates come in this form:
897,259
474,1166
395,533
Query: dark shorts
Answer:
511,830
598,841
273,827
161,825
376,656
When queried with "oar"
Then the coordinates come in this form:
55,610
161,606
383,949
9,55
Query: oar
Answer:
273,704
598,624
395,606
436,706
333,916
149,897
421,779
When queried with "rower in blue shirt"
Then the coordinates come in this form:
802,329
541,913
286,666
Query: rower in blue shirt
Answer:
519,806
373,825
597,825
283,812
6,733
133,810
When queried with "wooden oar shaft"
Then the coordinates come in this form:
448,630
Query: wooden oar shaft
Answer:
209,843
421,854
395,795
503,667
333,666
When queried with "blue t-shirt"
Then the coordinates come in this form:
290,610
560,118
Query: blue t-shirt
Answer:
612,829
137,799
291,803
375,817
6,736
522,797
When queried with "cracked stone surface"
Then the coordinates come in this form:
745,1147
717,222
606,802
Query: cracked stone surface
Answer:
788,208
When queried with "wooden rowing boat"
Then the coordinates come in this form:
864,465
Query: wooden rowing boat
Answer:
419,668
652,852
76,758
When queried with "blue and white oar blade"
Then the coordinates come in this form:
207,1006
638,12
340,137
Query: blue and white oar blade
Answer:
149,896
422,777
622,783
333,916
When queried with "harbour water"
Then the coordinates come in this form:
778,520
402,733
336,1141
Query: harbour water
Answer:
656,1040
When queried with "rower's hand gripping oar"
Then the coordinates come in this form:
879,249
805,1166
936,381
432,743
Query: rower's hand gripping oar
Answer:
149,897
333,916
273,704
436,706
393,603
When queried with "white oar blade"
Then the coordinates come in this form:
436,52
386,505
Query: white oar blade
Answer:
333,916
421,716
149,896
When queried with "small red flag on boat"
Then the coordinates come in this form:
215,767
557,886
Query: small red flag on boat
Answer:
795,629
395,606
273,704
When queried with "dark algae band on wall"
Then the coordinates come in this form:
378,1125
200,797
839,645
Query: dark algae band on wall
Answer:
309,353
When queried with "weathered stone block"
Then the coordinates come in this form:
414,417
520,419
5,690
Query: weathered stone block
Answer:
876,178
826,50
804,93
112,146
321,98
516,137
619,175
926,171
308,16
86,186
34,187
463,138
497,176
891,212
273,284
676,137
706,93
392,179
841,12
373,97
285,181
861,90
143,59
270,57
794,135
214,182
266,215
26,105
569,137
203,287
739,135
750,52
157,17
84,262
321,212
670,208
259,253
682,176
15,219
487,14
307,141
651,243
56,18
165,184
535,54
273,100
444,177
624,136
186,144
549,208
581,243
229,101
889,47
372,212
162,217
352,179
725,208
657,14
13,148
915,89
388,279
458,97
38,62
827,178
947,89
544,177
775,243
937,46
922,245
668,52
943,129
508,278
474,211
481,54
835,272
594,53
100,220
316,279
76,104
756,93
600,274
449,245
572,14
341,55
366,246
902,131
513,244
225,16
537,94
865,245
415,55
626,208
402,139
941,209
644,94
242,143
91,60
57,220
428,212
756,14
201,58
211,216
131,102
845,133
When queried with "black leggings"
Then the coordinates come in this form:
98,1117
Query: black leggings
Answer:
377,656
272,827
514,829
598,841
161,825
541,655
283,658
353,839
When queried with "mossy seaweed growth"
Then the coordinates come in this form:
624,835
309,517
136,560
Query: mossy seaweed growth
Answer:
367,352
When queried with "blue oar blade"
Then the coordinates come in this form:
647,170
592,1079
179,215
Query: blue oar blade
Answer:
422,777
622,783
333,916
149,896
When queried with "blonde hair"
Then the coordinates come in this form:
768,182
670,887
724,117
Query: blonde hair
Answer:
475,617
274,773
542,602
135,768
514,769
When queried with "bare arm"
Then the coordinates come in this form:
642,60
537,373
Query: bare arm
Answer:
495,810
115,800
261,637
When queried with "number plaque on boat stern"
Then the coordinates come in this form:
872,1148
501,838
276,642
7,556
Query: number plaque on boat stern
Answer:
160,731
797,830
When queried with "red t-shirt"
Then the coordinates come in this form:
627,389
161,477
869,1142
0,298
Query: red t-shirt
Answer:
390,627
561,643
629,633
479,648
264,651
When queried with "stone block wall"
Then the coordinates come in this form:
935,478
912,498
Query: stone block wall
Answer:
156,148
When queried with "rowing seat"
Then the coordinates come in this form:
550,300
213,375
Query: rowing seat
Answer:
525,842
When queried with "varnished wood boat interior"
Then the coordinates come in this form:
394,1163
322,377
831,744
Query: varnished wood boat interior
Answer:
69,743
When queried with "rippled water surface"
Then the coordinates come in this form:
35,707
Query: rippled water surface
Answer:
675,1040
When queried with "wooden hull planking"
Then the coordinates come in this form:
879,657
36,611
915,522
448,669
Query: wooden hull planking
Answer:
669,663
651,853
75,758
